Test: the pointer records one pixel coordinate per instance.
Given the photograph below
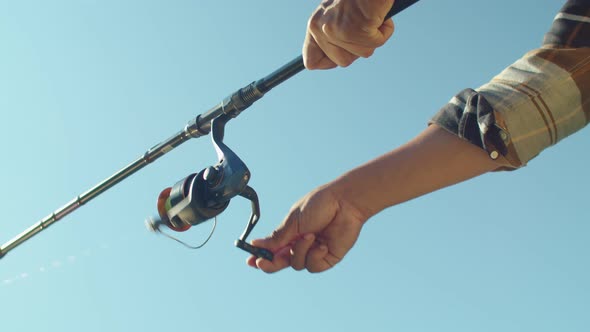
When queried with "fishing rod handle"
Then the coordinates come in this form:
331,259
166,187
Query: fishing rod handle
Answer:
398,6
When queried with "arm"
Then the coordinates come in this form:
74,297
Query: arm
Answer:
531,105
324,225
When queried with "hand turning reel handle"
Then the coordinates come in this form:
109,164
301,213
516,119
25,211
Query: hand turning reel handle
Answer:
204,195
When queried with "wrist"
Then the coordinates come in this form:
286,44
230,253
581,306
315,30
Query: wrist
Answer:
355,190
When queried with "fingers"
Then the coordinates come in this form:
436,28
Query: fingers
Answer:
317,259
319,52
285,234
362,44
387,29
339,55
337,36
280,242
320,259
360,41
299,251
297,236
280,261
291,255
314,57
303,254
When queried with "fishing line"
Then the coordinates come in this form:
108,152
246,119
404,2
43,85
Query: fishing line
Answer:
156,228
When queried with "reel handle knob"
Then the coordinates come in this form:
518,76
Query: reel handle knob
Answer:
256,251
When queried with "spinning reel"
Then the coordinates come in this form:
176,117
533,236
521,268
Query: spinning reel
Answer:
204,195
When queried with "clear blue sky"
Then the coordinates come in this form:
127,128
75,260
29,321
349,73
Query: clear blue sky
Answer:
87,86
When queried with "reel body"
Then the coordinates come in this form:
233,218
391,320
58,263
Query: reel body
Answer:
204,195
185,204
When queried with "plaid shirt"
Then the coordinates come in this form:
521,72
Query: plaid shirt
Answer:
535,102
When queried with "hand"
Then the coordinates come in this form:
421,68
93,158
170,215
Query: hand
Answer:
341,31
316,234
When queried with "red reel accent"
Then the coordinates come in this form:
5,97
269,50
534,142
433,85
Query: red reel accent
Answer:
163,212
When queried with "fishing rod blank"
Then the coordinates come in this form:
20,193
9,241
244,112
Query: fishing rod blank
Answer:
230,107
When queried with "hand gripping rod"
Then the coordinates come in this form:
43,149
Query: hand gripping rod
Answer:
232,105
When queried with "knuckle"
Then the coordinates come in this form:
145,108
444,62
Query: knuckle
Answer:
267,270
346,62
312,28
335,32
275,234
313,24
366,53
330,29
315,269
380,42
297,267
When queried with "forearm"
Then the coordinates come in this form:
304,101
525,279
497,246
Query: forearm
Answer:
432,160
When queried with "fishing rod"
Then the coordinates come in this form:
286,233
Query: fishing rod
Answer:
204,195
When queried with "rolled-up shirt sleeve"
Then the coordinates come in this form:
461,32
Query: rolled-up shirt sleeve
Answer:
534,103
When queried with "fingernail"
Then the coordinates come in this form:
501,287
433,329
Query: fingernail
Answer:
308,236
